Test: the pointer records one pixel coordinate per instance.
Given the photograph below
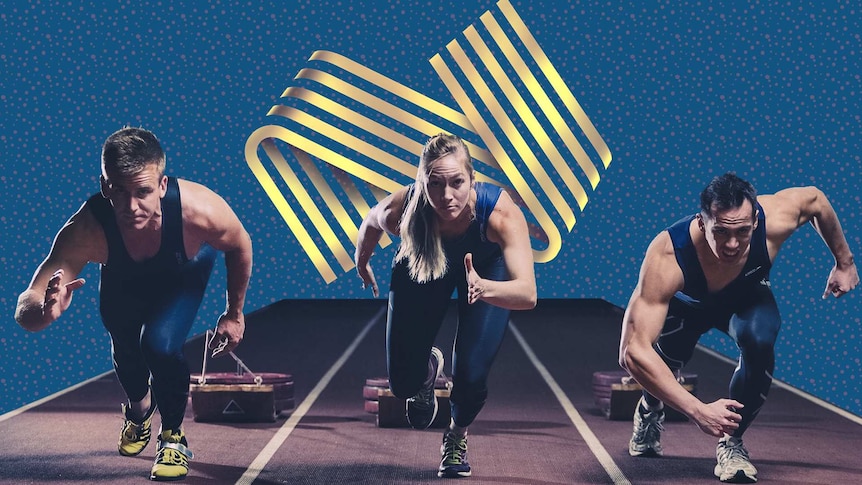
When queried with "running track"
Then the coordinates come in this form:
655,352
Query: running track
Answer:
540,425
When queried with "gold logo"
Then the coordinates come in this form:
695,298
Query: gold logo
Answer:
342,134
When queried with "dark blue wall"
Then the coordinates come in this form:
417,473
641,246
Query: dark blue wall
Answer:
679,91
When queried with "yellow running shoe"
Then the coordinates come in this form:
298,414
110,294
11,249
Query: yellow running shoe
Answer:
134,437
172,459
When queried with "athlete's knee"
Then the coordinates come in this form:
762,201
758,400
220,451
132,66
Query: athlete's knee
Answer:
757,345
405,383
161,350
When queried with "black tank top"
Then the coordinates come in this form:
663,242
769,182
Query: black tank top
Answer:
754,275
172,254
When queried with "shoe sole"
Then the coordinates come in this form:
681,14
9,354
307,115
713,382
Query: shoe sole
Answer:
167,479
650,453
739,477
122,453
466,474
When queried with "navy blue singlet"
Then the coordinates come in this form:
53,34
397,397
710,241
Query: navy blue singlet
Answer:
695,293
148,307
745,309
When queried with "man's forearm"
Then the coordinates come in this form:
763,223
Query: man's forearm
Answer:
238,264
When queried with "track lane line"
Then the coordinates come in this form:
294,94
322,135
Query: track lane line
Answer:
287,428
27,407
589,437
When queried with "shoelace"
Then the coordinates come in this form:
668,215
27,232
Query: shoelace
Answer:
733,452
170,456
423,398
454,449
135,432
649,428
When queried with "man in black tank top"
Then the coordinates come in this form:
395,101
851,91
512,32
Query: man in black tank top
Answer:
156,239
711,270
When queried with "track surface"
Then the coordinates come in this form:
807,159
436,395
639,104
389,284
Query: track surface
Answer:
540,425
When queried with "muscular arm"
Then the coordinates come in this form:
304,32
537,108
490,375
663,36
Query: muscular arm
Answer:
789,209
660,277
211,220
50,291
384,216
508,228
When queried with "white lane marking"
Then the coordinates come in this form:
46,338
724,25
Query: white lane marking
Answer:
16,412
589,437
287,428
787,387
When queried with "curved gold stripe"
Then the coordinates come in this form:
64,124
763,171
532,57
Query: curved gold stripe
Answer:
556,81
512,134
362,122
520,185
393,86
355,143
410,120
329,198
336,159
378,194
305,241
542,99
343,112
348,140
307,204
356,198
527,116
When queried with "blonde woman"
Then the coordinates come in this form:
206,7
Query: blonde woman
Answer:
455,233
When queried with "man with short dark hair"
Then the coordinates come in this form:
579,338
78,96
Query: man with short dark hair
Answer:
156,250
711,270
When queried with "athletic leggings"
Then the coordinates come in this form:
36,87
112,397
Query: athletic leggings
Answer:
416,312
149,320
754,328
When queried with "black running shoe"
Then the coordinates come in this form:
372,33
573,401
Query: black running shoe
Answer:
422,408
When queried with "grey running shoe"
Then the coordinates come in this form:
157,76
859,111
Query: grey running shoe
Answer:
422,408
733,464
646,434
454,462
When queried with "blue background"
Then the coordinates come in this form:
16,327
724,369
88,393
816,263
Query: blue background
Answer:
680,91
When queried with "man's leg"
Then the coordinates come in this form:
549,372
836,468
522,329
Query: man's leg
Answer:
755,330
173,309
121,317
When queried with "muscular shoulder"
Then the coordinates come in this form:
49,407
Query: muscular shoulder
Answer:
81,239
505,217
202,208
390,211
660,275
788,209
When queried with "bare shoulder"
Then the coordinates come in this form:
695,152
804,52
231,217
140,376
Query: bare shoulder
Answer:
391,209
200,204
660,275
81,240
505,218
788,209
789,200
